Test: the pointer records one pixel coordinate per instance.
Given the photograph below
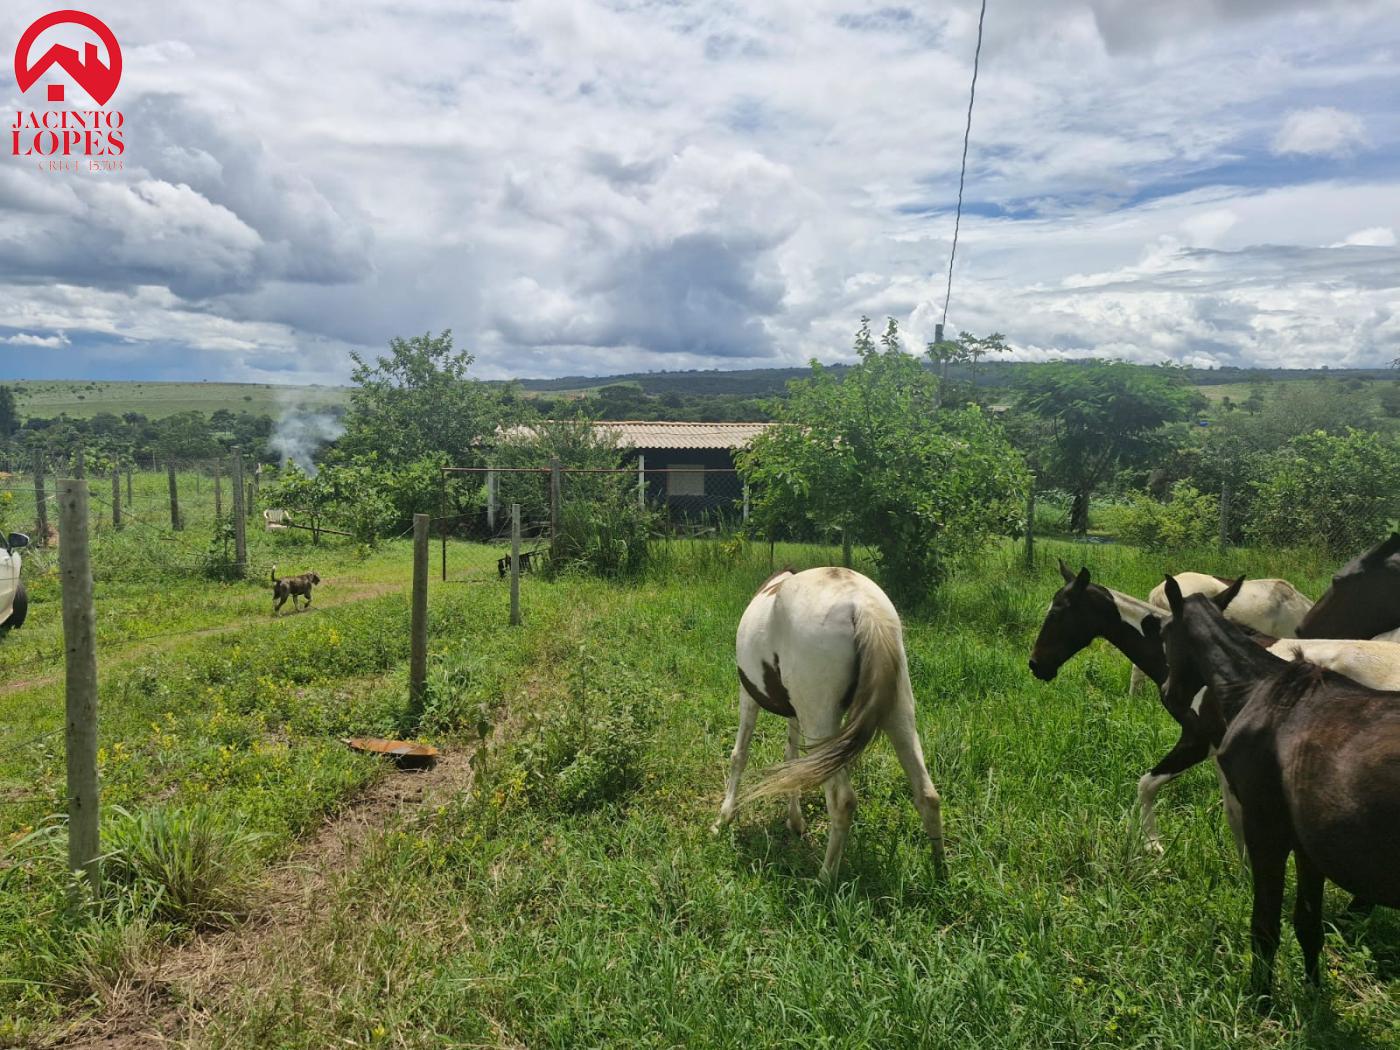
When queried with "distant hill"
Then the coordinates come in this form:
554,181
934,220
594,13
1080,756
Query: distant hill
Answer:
83,399
766,382
708,393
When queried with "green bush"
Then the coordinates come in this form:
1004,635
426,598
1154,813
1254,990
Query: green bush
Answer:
1189,519
588,752
1334,491
876,454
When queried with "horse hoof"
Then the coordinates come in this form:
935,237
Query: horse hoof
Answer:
797,827
1154,847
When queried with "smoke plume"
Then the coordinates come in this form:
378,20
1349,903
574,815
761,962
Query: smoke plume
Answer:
302,432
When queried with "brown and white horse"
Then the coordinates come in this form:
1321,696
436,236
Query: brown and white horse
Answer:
1083,610
813,646
1272,607
1313,761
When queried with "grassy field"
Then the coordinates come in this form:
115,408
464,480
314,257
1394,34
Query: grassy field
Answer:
83,399
575,897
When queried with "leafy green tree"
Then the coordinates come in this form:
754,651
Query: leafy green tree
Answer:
1095,418
874,455
1334,491
419,400
1255,401
1390,400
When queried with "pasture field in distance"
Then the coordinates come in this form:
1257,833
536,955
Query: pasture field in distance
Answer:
83,399
574,896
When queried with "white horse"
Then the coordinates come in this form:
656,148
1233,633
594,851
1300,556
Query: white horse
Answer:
811,646
1272,607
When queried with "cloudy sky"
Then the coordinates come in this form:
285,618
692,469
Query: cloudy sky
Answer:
576,186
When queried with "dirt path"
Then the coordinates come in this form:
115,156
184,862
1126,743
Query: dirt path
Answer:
171,1003
116,655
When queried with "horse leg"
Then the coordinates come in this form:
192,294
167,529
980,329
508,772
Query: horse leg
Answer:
1135,680
748,716
795,821
841,808
1189,751
1307,915
1267,860
1233,814
903,734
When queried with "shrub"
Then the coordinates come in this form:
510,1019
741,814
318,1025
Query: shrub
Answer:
588,752
877,455
1189,519
601,529
1336,491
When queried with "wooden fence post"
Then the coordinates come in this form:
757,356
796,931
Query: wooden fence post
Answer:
116,498
555,495
746,503
1030,524
1225,515
515,564
846,547
130,502
175,525
418,625
80,678
41,502
218,493
240,521
642,480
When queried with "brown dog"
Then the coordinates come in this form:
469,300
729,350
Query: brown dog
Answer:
292,587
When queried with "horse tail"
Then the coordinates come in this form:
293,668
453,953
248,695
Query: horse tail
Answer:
274,574
879,672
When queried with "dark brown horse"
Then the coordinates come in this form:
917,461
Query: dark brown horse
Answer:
1082,611
1364,599
1313,761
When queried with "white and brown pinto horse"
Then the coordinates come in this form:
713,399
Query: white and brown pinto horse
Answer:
1272,607
813,647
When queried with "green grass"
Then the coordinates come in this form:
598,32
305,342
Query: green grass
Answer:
83,399
576,898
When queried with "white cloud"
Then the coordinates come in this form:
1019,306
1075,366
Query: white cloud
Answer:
52,342
591,186
1321,131
1373,236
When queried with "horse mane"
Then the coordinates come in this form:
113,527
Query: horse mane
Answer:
1298,677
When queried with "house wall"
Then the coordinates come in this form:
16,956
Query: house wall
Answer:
723,492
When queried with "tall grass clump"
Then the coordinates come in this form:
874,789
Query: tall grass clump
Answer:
193,865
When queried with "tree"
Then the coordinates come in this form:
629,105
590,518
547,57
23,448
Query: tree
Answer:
872,454
1335,491
1255,401
1095,418
1390,399
418,401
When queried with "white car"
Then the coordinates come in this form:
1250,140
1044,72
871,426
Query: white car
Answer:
14,600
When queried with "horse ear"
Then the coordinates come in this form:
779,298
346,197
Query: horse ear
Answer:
1082,580
1224,598
1066,571
1384,549
1174,598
